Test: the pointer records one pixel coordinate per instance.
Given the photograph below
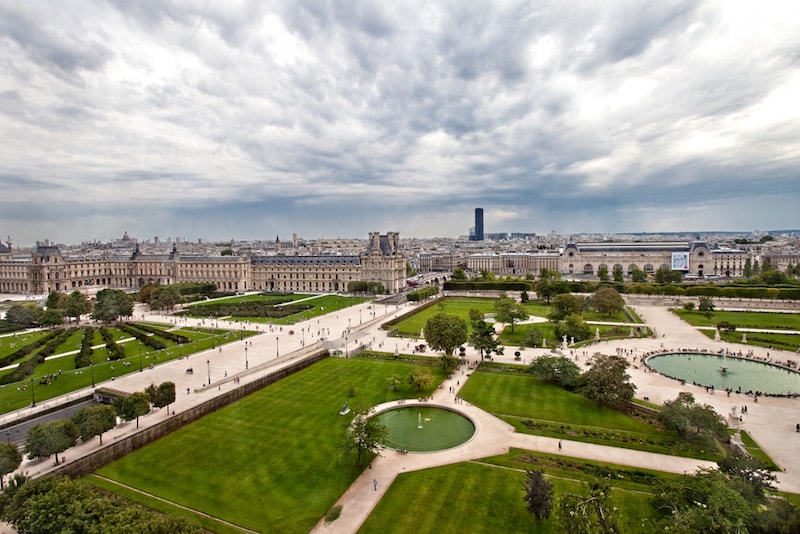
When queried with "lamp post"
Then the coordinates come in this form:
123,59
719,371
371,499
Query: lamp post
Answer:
245,357
277,347
91,366
33,397
208,363
140,359
359,316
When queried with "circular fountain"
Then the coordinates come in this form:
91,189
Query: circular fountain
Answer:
425,428
727,372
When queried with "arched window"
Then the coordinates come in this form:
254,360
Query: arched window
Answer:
648,268
588,269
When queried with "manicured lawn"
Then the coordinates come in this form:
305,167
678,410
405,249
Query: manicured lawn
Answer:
757,339
321,304
766,320
476,497
757,452
62,364
270,462
411,326
535,407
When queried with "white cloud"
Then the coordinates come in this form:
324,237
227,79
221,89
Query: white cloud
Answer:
404,116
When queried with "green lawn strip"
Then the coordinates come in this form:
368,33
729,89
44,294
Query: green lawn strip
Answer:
411,326
160,505
538,408
272,460
789,342
757,452
475,497
765,320
630,478
18,394
261,297
12,343
320,305
524,395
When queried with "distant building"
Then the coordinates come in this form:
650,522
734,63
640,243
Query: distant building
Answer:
477,234
47,269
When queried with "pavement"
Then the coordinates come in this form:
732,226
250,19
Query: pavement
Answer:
771,421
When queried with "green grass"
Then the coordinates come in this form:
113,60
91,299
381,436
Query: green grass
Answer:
413,325
321,305
476,498
789,342
272,460
62,364
535,407
757,452
766,320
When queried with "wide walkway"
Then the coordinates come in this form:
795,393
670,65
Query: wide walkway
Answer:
771,421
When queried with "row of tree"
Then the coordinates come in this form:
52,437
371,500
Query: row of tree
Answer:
54,437
108,305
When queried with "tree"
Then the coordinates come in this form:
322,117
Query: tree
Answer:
55,299
508,310
26,314
691,420
750,475
49,438
704,502
618,274
112,304
538,494
579,514
94,421
558,370
665,275
573,326
393,382
706,305
688,306
607,381
459,274
563,305
549,285
364,435
445,332
608,300
10,460
747,271
165,298
165,395
420,379
482,338
602,272
60,504
133,406
76,305
638,276
51,317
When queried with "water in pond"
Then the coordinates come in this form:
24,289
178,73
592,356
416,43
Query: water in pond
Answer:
425,428
727,372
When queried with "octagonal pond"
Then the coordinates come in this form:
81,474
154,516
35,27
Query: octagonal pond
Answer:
726,372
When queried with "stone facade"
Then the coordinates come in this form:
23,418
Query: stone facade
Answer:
48,270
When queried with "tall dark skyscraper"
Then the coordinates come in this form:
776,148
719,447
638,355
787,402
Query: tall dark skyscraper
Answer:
478,224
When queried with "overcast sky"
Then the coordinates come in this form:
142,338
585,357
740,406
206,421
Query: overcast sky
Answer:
235,119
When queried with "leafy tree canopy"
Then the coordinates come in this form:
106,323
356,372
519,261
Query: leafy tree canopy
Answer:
445,332
607,381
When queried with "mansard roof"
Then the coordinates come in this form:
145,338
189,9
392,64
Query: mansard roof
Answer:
306,260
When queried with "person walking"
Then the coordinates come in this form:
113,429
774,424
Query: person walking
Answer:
559,444
375,484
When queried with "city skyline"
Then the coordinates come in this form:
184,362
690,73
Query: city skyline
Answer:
216,121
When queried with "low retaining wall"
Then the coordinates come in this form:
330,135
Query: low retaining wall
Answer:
113,451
